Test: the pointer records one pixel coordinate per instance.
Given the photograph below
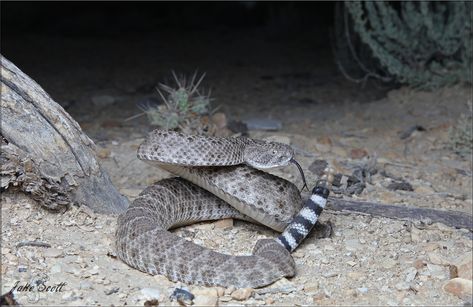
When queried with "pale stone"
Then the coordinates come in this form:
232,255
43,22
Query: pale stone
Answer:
213,292
465,266
224,224
230,290
52,253
269,301
435,258
460,287
242,294
388,263
203,300
150,293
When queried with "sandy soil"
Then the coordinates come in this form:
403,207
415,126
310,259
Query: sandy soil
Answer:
367,261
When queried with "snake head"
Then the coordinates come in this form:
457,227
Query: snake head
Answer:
268,155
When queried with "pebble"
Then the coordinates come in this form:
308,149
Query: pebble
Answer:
204,300
388,263
224,224
269,301
281,286
84,284
56,269
220,120
358,153
437,271
465,266
262,124
460,287
402,286
212,292
410,274
230,290
52,253
150,293
353,245
329,274
242,294
362,290
419,264
436,258
103,153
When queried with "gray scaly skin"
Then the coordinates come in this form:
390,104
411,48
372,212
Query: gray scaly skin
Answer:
144,242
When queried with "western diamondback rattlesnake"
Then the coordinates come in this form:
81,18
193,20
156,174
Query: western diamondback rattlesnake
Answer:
218,181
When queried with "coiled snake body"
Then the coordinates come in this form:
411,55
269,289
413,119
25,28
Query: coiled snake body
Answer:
218,180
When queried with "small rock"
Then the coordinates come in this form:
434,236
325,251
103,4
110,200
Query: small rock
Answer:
220,120
388,263
460,287
103,100
220,291
269,301
111,291
358,153
402,286
212,292
224,224
262,124
419,264
351,263
103,153
203,300
311,286
330,274
362,290
94,270
56,269
242,294
337,150
318,167
225,298
410,274
325,140
182,295
356,275
416,235
353,245
151,303
52,253
401,186
424,190
150,293
230,290
435,258
84,284
437,271
464,266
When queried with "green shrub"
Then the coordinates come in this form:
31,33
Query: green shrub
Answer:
424,44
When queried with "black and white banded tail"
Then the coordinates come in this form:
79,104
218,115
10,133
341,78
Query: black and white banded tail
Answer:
305,220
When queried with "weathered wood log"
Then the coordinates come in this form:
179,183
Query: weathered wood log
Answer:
450,218
44,152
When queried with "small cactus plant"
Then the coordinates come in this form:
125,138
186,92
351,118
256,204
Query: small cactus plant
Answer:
184,107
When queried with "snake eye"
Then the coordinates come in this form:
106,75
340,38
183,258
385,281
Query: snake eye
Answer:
275,151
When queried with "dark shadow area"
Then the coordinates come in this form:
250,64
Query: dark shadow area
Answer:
258,56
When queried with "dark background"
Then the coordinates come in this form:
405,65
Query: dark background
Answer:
260,58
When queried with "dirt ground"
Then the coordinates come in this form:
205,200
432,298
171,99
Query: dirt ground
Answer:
367,261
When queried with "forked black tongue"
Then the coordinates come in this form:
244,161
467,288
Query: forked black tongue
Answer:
302,174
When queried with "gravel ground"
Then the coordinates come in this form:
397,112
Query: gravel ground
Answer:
366,261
